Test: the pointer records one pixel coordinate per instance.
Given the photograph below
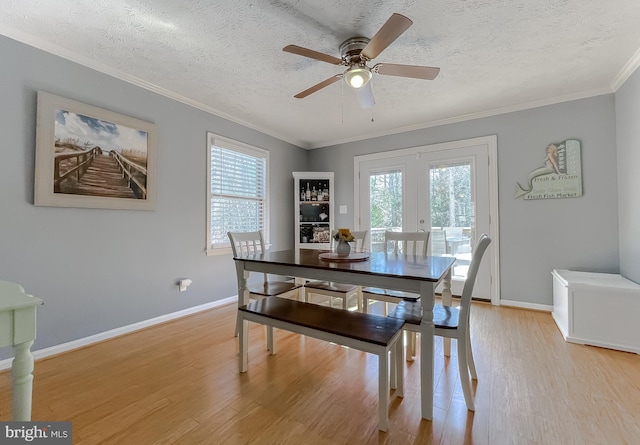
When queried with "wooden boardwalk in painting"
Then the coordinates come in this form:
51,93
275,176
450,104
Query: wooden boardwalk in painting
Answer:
102,178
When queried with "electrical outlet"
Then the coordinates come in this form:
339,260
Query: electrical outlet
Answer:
184,284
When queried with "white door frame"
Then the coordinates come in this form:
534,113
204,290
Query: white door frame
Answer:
491,142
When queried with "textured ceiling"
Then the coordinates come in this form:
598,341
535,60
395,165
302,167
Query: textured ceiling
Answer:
226,56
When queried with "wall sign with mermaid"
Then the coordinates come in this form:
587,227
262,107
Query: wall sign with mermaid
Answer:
559,177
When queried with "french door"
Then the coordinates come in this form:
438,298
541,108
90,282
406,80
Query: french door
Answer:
444,189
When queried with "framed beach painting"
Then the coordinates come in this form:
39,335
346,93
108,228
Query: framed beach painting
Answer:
90,157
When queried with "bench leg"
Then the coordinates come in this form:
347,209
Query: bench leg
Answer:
396,376
243,342
411,345
271,340
393,373
365,303
399,365
446,347
383,391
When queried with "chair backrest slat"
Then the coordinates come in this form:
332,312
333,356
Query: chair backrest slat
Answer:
243,243
409,243
247,243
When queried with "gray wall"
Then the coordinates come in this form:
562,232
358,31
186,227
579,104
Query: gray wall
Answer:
102,269
535,236
628,140
94,280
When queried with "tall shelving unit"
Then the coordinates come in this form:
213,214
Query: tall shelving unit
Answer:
313,196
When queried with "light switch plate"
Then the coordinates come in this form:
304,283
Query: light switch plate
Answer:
343,209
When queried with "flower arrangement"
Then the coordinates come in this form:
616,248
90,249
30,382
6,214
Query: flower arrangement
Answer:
343,235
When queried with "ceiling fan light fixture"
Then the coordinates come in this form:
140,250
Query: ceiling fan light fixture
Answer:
356,52
357,76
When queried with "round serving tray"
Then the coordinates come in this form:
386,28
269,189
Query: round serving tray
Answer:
353,256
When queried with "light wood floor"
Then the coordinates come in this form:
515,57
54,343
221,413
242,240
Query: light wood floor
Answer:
179,383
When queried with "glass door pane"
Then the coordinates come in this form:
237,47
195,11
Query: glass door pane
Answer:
385,205
452,212
443,191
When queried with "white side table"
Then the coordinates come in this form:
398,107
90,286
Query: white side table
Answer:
18,329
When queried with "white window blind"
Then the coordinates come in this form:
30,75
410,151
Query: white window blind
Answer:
238,191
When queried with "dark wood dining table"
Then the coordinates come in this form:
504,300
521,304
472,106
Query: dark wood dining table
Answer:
410,273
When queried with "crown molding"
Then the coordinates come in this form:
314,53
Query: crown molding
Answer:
57,50
627,70
473,116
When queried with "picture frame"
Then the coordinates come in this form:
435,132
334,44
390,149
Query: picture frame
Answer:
93,158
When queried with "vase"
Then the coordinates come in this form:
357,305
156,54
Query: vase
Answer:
343,248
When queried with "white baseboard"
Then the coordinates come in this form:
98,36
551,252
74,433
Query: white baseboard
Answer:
525,305
603,344
86,341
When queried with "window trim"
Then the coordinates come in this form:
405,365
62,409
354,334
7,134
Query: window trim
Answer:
240,147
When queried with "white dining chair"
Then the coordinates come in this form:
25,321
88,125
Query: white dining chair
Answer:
338,290
251,243
451,322
407,243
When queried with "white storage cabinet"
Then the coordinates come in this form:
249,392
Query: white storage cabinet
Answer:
314,198
597,309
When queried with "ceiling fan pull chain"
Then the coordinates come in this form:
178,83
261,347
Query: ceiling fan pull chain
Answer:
372,114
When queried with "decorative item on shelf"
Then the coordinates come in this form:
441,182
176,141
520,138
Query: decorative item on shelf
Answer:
343,237
321,233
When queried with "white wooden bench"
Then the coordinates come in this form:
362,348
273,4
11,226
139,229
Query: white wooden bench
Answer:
598,309
366,332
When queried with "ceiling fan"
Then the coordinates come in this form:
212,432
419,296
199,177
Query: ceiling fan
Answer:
356,52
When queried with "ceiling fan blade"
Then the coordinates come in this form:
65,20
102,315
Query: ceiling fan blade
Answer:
417,72
365,96
319,86
390,31
294,49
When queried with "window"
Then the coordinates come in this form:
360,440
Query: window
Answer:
237,191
